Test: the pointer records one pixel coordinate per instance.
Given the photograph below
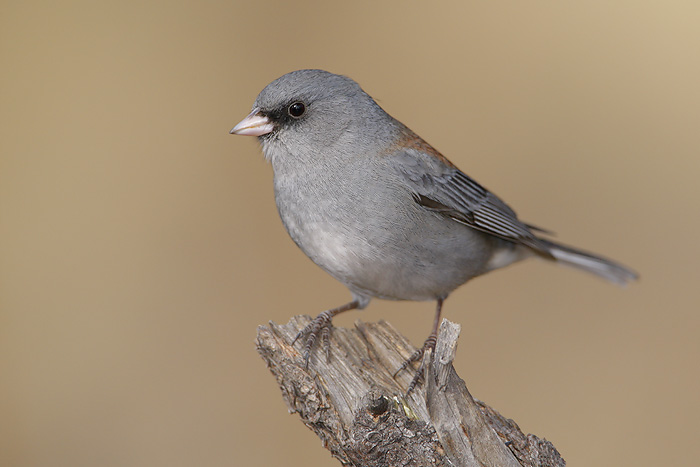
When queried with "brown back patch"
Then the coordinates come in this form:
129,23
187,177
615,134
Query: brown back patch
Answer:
410,140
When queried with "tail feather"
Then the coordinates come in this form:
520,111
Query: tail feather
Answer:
602,267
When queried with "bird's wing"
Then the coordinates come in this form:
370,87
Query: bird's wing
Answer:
441,187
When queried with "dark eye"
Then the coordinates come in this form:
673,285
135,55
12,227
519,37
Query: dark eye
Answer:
297,109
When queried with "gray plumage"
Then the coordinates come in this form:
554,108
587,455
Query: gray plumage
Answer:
376,206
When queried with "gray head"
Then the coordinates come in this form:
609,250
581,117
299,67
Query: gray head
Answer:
311,110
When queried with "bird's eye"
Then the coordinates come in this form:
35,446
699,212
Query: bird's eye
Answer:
297,109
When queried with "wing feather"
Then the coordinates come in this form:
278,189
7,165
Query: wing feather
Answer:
449,191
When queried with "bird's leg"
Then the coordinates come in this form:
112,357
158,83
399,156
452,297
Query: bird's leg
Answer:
429,344
322,325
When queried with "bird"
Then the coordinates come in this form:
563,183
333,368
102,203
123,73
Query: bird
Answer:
380,209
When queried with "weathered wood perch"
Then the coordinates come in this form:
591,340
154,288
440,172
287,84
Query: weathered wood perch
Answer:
359,410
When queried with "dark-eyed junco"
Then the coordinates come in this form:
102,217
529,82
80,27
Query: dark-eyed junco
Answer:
380,209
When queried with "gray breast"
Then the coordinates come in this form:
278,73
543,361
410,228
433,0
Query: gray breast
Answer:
368,232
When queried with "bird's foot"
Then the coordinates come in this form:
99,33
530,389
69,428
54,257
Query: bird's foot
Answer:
321,326
418,355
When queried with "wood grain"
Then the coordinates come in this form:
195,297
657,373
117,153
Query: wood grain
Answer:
360,412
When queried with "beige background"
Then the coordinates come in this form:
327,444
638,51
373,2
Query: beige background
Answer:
140,246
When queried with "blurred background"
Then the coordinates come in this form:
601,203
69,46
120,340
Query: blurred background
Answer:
140,245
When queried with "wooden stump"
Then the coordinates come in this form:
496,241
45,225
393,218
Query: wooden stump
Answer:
360,412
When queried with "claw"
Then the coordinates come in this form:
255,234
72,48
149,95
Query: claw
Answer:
299,334
417,378
307,348
321,325
418,355
311,330
414,357
326,341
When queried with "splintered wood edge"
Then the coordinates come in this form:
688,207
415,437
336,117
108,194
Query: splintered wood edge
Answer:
328,394
462,428
362,358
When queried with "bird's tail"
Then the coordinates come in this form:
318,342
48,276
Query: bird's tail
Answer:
602,267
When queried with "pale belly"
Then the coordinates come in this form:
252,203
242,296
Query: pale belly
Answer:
406,254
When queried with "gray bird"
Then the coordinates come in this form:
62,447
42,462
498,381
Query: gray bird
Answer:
380,209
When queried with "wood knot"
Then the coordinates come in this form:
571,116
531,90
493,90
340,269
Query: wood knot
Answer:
377,404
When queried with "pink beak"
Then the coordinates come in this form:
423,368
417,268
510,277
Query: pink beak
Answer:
254,124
